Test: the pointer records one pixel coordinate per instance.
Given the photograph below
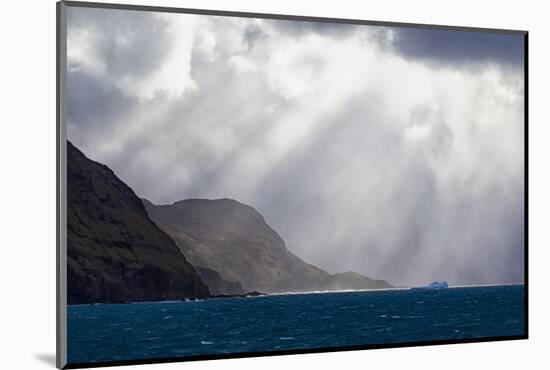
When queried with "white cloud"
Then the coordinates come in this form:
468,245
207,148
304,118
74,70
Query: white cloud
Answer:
363,159
241,64
173,77
170,76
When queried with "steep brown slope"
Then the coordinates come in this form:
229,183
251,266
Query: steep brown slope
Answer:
235,240
115,253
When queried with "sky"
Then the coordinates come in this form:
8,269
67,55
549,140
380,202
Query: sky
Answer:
391,151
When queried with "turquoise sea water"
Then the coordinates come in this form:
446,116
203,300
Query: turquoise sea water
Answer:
115,332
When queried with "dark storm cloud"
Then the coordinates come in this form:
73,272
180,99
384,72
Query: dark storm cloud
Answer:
360,156
460,48
252,34
93,106
298,29
437,46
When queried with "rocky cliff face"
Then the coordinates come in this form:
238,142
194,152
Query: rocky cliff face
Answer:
234,240
115,253
218,285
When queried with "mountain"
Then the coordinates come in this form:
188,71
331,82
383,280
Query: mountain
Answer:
115,253
234,240
353,280
218,285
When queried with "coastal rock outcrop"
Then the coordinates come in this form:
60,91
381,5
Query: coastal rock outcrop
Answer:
234,240
115,253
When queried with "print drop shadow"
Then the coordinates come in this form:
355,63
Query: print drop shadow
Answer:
46,358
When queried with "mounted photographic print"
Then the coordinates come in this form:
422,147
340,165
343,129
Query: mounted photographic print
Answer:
236,184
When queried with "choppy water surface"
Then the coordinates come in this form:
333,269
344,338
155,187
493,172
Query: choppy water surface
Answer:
270,323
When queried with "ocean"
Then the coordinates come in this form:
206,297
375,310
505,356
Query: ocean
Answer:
155,330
